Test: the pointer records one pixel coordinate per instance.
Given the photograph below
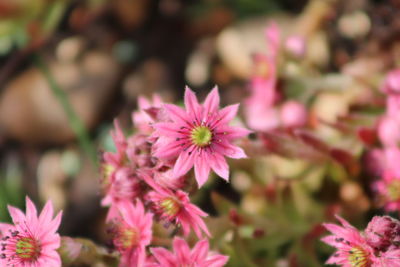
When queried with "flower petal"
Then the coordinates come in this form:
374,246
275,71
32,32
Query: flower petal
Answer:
183,164
211,103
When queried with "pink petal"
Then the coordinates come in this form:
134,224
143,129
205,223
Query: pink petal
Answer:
231,132
31,212
201,170
220,166
217,261
168,129
182,250
229,150
191,103
171,148
177,114
16,214
200,251
163,256
211,103
47,212
183,164
227,114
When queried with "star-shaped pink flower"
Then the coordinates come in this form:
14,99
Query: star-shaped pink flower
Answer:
199,136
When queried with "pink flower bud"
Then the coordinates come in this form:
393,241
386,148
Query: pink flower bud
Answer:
295,45
293,114
389,131
391,84
382,232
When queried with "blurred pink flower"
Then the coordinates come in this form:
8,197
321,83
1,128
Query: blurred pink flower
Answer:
389,131
143,119
132,232
199,256
383,233
111,161
175,207
393,106
124,187
391,84
293,114
33,240
199,136
388,188
352,248
296,45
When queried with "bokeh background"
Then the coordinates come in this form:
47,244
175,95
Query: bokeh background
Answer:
69,67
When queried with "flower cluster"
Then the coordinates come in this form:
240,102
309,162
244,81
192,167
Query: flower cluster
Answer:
377,246
145,179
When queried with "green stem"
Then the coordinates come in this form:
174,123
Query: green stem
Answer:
75,122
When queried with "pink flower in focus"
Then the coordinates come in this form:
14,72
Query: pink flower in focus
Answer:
352,248
388,188
33,240
383,233
199,256
175,207
391,84
131,233
199,136
293,114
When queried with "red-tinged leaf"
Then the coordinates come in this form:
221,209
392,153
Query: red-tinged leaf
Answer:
346,159
367,136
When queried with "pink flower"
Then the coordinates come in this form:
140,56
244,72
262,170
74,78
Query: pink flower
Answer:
131,233
293,114
390,258
112,161
32,241
199,136
124,187
383,233
199,256
352,248
393,106
391,84
389,131
296,45
388,188
175,207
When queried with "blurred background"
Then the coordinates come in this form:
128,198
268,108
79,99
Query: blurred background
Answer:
69,67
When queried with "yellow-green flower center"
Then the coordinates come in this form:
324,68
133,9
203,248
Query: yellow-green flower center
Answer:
170,206
127,238
358,257
201,136
27,248
394,190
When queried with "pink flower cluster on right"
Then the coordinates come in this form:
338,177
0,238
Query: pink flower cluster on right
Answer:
387,159
377,246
